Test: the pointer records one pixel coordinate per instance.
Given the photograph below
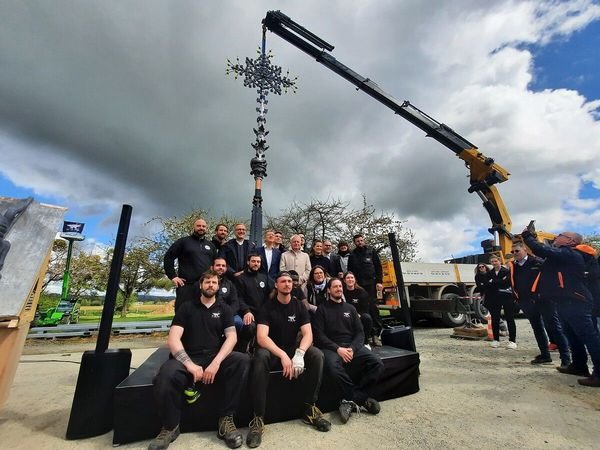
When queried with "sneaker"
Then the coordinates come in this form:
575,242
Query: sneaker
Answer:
511,345
255,432
346,408
495,344
314,417
589,381
229,433
164,438
372,406
368,346
552,347
539,359
571,370
191,394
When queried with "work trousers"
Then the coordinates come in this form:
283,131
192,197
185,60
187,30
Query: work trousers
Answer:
495,304
353,380
245,333
264,361
543,318
376,323
576,316
367,322
173,378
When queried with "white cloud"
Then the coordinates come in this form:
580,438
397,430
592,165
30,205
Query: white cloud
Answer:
122,103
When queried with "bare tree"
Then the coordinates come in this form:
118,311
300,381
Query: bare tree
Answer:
336,220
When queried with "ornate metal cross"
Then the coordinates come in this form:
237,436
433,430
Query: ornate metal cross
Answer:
265,77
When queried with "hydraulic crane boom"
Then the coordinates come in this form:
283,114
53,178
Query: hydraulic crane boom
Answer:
484,172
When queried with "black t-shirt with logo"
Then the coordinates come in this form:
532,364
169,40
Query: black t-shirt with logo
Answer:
203,328
284,321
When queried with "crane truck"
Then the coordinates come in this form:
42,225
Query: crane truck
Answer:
427,285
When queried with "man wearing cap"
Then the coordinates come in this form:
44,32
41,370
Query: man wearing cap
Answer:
280,321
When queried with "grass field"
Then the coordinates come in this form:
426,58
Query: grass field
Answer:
91,314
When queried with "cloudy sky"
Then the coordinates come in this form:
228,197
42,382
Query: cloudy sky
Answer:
112,102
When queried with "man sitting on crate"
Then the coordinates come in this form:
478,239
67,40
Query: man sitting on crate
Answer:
354,368
280,321
199,355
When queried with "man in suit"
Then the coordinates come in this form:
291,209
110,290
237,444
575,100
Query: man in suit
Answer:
270,257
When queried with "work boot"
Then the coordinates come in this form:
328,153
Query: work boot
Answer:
314,417
572,370
592,381
255,432
346,408
372,406
164,438
229,433
539,359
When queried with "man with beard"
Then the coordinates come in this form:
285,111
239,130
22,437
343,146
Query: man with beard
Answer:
339,260
253,291
235,251
200,356
194,255
353,367
228,294
364,263
220,237
279,322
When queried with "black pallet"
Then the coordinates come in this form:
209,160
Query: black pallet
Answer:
136,418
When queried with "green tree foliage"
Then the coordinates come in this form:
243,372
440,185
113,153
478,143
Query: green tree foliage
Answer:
89,273
141,271
593,240
56,265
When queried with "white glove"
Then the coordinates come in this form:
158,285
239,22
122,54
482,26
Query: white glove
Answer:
298,363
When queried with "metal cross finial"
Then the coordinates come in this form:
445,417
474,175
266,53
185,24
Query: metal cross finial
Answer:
265,77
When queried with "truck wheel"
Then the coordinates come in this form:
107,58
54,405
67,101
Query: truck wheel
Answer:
481,311
452,319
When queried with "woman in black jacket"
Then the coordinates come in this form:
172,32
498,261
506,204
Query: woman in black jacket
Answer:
359,298
498,296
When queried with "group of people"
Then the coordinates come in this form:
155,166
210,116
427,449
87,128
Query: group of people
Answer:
242,312
557,286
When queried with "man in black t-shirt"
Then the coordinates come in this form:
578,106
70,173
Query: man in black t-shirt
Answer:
199,354
279,322
194,255
354,368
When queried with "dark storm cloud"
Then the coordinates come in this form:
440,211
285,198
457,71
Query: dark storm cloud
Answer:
135,95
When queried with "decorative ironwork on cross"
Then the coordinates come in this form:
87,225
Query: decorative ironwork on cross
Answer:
265,77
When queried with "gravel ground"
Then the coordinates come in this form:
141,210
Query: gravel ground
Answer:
472,396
